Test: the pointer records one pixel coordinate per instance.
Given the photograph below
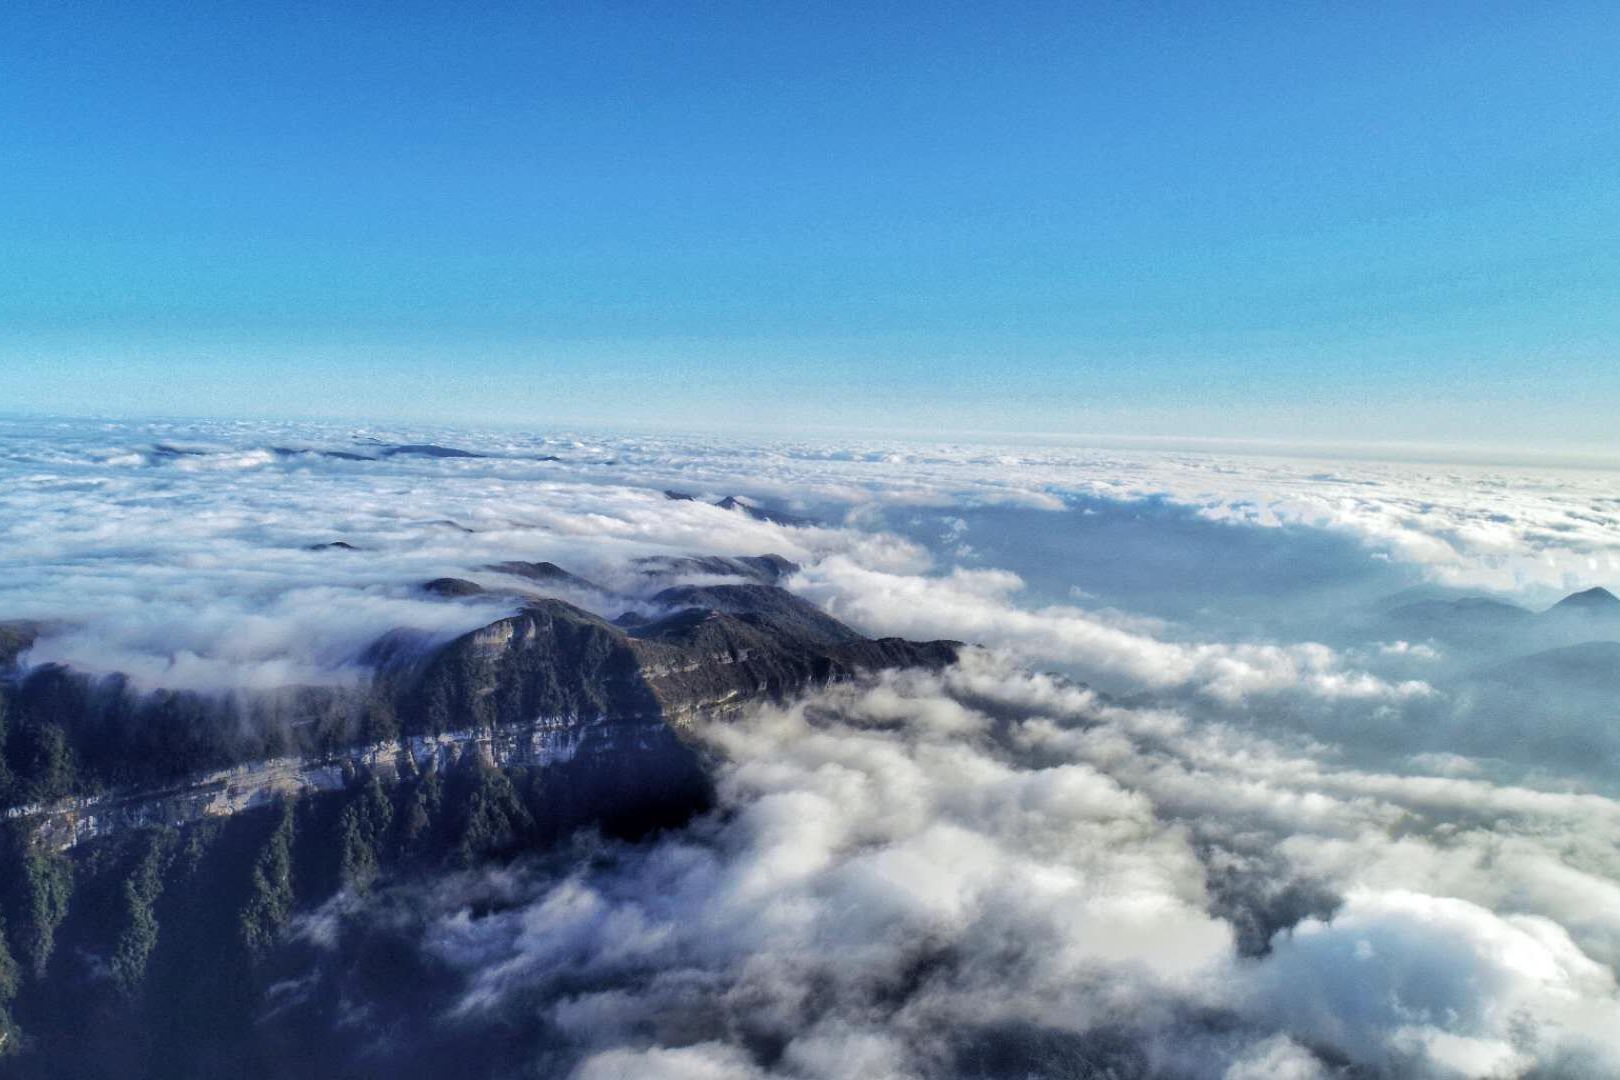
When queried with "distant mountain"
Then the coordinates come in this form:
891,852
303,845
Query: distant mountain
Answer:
742,505
760,513
1485,624
1595,601
453,588
1473,613
163,451
336,455
446,523
1591,667
432,450
548,573
1558,704
765,569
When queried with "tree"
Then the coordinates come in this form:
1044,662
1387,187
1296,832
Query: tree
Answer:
133,949
270,888
361,829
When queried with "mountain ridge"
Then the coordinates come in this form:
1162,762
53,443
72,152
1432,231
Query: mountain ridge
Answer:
1490,623
67,737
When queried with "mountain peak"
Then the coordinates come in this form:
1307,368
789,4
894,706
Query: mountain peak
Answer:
759,513
1595,599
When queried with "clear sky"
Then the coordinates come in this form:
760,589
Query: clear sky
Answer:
1299,220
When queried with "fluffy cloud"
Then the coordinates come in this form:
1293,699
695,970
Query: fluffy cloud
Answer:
74,488
197,569
986,872
1409,980
190,564
976,605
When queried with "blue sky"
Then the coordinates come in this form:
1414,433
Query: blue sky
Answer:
1279,220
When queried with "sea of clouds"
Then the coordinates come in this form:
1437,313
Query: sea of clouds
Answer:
1183,812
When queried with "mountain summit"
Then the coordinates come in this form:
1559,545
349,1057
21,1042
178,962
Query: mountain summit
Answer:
1595,601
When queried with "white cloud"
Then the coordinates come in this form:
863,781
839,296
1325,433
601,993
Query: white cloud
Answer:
975,605
900,871
1413,981
705,1061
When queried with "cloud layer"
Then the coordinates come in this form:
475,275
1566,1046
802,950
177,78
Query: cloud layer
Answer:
989,873
1191,851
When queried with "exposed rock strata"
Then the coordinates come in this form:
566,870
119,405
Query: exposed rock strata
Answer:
552,685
